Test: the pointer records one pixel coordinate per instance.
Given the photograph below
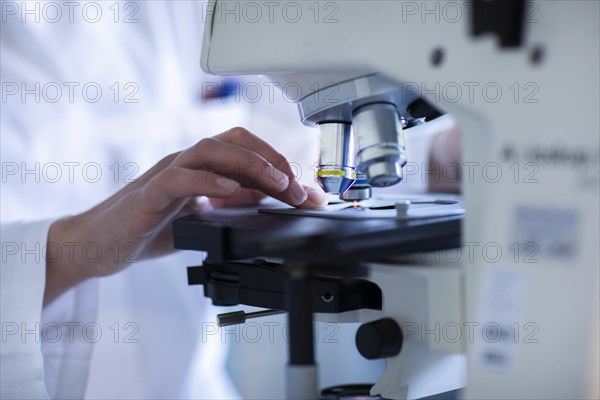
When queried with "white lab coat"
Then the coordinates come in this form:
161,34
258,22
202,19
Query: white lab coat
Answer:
159,55
149,320
63,369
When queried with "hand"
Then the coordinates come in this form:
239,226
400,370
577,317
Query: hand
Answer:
445,152
233,168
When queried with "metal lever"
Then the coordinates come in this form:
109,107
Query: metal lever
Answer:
240,317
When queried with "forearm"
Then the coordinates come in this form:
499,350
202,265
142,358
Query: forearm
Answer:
63,268
93,244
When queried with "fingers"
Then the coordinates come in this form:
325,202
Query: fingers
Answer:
235,162
242,137
246,197
177,183
316,198
217,167
245,158
295,194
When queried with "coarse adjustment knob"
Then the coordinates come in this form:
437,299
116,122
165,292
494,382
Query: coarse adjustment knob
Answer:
379,339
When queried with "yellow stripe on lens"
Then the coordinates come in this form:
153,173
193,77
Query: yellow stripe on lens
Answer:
335,172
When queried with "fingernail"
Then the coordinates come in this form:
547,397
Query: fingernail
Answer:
228,184
280,179
299,195
317,197
202,204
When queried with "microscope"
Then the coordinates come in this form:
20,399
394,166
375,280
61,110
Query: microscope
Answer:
518,310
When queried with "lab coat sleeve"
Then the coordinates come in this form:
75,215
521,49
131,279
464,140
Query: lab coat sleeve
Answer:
43,354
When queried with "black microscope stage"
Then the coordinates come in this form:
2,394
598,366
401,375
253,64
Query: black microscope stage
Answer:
229,235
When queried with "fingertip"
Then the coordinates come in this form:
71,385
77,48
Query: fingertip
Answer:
201,204
298,193
315,198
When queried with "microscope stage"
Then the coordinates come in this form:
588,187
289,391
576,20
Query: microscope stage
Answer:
381,207
317,237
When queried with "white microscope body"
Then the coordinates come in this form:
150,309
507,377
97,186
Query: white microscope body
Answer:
525,290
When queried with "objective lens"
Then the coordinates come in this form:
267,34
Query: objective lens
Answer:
337,162
380,140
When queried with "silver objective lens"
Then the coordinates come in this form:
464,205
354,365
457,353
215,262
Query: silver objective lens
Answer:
337,160
360,191
380,140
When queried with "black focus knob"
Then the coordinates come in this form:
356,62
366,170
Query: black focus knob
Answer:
379,339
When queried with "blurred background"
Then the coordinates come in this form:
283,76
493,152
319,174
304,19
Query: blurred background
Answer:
94,94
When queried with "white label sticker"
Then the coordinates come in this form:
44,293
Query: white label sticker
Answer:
544,233
502,293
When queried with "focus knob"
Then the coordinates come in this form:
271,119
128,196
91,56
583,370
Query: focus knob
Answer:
379,339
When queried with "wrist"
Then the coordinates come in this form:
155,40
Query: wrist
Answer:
64,265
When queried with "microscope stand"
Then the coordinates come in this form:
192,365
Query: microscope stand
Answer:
316,257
